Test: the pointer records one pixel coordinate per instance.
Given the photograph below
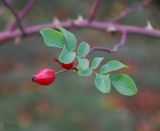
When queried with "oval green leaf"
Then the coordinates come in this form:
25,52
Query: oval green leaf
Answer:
53,38
96,62
124,84
87,72
102,82
83,49
66,56
112,65
83,63
70,39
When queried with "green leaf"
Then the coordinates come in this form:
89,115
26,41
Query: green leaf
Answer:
83,49
83,63
53,38
70,39
66,56
124,84
102,82
112,66
87,72
96,62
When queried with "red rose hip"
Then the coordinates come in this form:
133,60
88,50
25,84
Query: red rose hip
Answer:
44,77
68,66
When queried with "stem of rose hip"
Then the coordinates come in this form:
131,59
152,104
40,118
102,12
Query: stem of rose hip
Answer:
61,71
56,60
75,68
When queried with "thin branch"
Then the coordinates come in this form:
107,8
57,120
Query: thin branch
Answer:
94,10
22,14
110,50
130,10
121,42
15,15
10,35
102,49
2,9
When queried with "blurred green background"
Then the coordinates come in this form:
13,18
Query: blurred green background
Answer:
73,103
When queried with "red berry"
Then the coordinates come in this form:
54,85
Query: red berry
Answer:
68,66
44,77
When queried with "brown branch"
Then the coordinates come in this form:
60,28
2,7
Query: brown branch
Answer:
94,10
90,23
2,9
110,50
15,15
130,10
121,42
22,14
102,49
10,35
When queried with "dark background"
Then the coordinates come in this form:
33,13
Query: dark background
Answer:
73,103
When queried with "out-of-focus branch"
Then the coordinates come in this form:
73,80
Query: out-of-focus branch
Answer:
80,23
6,4
22,14
10,35
94,10
2,9
130,10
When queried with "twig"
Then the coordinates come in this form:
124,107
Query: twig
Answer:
102,49
22,14
15,15
121,42
110,50
130,10
93,10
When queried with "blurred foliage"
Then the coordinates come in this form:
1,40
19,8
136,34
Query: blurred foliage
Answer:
73,103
